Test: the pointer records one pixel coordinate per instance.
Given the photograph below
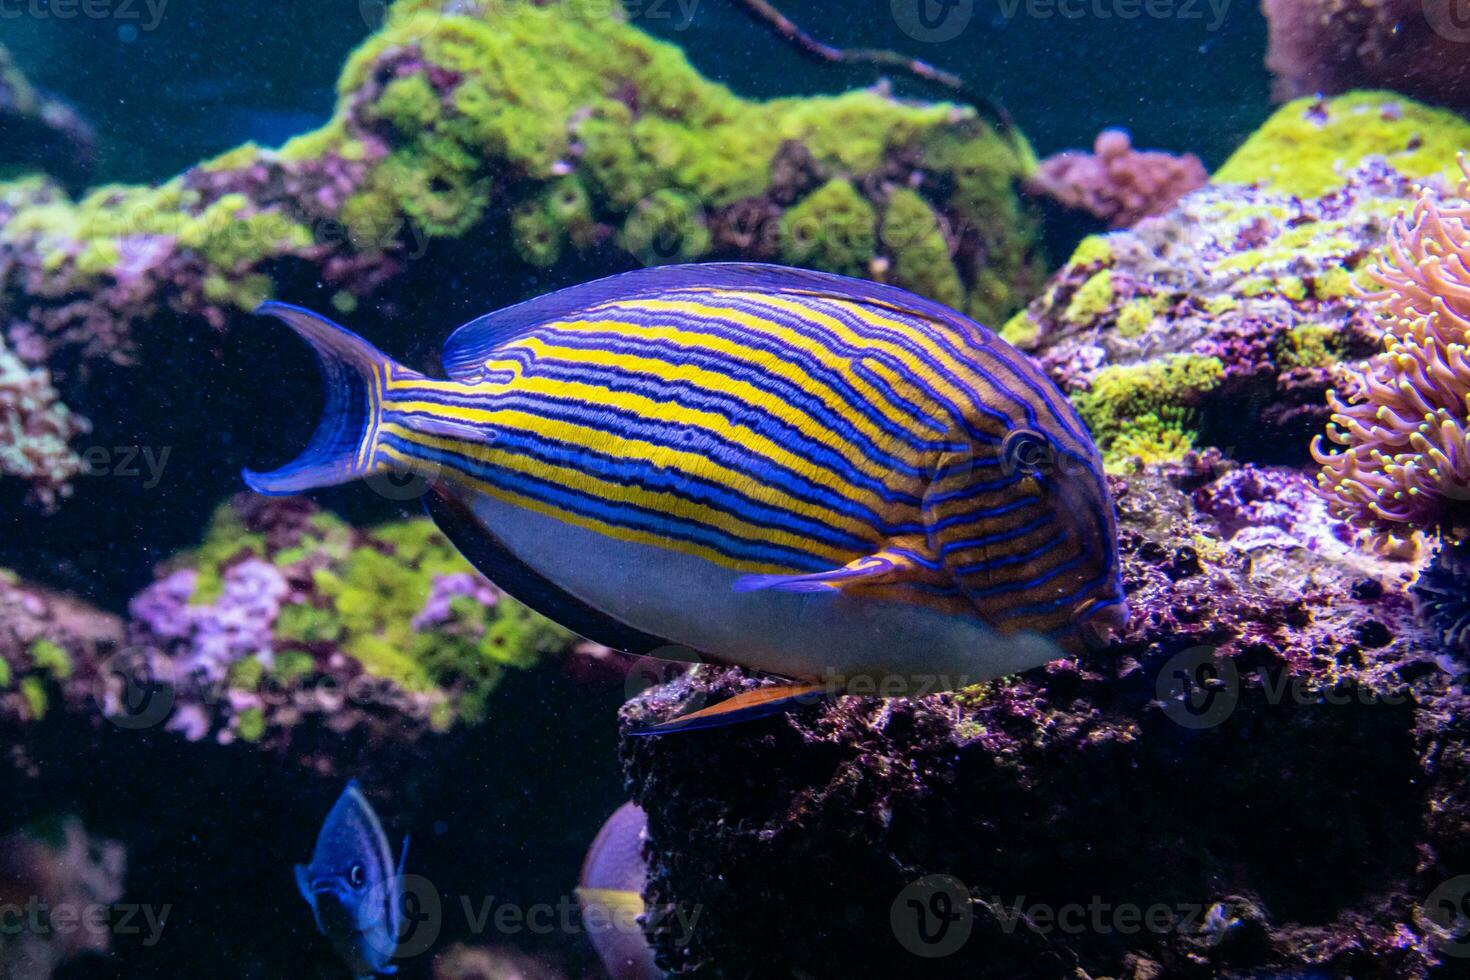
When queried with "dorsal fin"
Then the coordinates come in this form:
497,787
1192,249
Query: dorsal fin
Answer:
483,550
469,346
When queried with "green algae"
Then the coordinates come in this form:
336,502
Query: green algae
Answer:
225,541
33,691
1154,437
1021,329
921,259
535,234
409,104
1092,250
1133,410
1307,147
667,226
1135,317
51,658
250,725
1311,345
657,147
1092,299
833,228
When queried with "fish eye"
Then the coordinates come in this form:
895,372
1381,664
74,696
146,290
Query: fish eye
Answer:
356,876
1026,451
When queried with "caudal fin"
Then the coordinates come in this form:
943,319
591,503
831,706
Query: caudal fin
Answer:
340,450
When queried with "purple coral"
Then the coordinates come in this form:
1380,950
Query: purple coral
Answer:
209,637
455,585
1259,506
1117,183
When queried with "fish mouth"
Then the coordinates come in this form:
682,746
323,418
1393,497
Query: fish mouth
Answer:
1101,622
336,914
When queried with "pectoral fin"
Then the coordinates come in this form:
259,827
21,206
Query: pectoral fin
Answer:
760,703
881,567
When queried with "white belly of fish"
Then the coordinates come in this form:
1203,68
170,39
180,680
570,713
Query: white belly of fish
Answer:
691,602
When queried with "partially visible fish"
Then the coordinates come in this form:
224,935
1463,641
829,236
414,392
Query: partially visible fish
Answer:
353,887
812,476
611,896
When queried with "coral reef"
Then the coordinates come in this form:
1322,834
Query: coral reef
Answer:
1329,46
1116,183
35,431
40,132
1221,322
57,883
285,614
1404,424
447,133
51,647
1154,809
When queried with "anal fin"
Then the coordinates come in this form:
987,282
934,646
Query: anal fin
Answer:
887,565
748,706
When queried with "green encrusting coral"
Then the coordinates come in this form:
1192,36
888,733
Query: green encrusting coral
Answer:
657,147
550,127
1255,277
666,226
834,228
921,256
1309,145
1141,410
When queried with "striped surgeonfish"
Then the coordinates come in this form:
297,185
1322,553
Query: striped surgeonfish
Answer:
809,475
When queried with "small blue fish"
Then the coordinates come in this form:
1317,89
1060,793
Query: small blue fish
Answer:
354,889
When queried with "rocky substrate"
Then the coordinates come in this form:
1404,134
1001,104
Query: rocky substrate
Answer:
1266,776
